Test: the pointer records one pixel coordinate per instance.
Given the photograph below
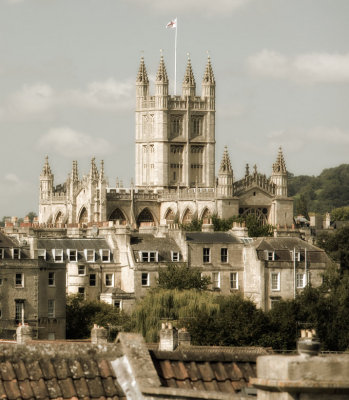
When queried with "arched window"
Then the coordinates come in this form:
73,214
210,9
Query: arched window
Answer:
188,217
145,218
261,214
118,215
170,216
206,216
83,219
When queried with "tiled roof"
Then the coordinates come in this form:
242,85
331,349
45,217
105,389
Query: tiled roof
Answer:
211,237
57,371
213,369
6,241
78,244
163,246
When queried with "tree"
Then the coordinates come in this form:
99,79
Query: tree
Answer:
340,214
336,244
182,277
82,314
31,215
194,226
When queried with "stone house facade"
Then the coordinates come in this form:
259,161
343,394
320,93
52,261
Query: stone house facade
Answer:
30,292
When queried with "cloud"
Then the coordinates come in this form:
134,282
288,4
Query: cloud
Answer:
12,178
205,7
69,143
40,99
305,68
109,95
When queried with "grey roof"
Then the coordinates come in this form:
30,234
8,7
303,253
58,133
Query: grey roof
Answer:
7,242
211,237
78,244
146,242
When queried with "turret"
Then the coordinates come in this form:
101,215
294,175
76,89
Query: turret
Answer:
93,174
279,175
142,84
189,86
46,181
225,176
161,86
209,85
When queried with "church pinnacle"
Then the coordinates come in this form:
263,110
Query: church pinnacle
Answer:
208,75
142,76
189,84
280,166
161,75
93,170
75,173
225,163
46,170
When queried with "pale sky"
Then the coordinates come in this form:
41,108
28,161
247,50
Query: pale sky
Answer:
68,69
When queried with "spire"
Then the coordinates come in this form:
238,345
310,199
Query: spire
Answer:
75,173
46,170
93,170
225,163
208,75
189,79
280,165
161,75
142,76
247,170
101,175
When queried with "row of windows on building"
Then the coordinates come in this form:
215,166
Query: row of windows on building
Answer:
14,253
73,255
177,123
302,279
19,309
206,255
272,256
153,256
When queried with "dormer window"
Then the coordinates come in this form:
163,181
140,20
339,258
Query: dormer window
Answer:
105,255
57,255
42,254
90,255
174,256
270,255
295,255
148,256
16,254
72,255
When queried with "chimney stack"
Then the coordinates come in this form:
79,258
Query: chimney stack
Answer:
99,335
24,333
168,337
184,338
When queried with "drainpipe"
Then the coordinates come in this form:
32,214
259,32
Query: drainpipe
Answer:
294,272
305,267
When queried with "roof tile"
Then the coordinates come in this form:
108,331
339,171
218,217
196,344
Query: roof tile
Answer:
247,370
62,369
211,386
90,368
7,371
184,384
166,369
219,371
81,388
47,368
3,394
233,371
105,369
26,389
20,370
76,369
109,386
34,370
67,388
53,388
198,385
206,371
225,386
95,387
179,369
39,389
12,389
193,371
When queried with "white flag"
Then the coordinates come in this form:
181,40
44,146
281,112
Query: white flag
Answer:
172,24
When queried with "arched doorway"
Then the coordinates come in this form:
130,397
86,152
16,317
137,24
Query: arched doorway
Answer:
83,218
145,218
118,215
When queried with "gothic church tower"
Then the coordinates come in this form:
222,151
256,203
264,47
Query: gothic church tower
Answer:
175,135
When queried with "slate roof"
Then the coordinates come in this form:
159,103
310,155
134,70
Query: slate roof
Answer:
211,237
57,371
7,242
219,369
282,246
147,242
78,244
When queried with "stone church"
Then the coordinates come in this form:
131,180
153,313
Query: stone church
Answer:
175,169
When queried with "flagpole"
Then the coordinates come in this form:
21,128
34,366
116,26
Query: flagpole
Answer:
175,69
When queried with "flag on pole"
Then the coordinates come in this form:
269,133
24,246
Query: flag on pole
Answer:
172,24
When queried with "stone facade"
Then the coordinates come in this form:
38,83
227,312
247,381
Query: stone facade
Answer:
175,169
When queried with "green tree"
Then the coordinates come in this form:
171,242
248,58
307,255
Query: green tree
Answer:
182,277
340,214
31,215
194,226
336,244
82,314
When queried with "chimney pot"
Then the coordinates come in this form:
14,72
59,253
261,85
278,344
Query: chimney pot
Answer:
99,335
